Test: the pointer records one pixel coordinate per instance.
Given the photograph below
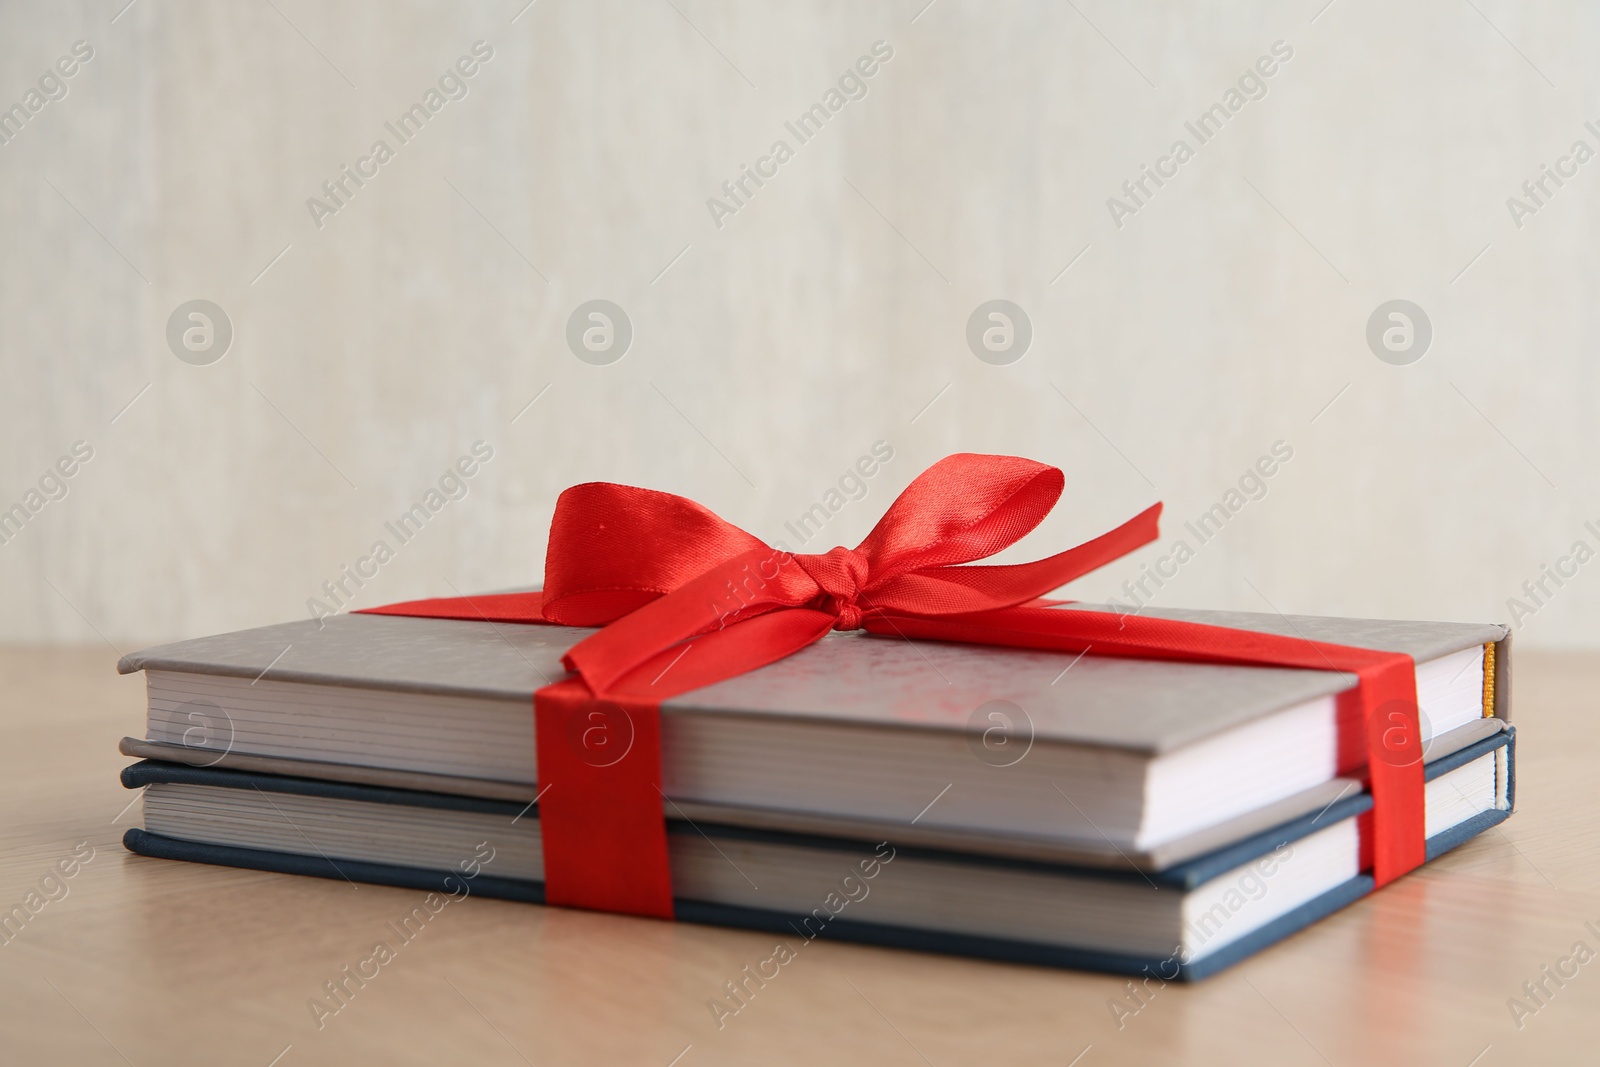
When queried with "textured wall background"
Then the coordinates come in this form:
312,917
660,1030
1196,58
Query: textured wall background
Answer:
829,312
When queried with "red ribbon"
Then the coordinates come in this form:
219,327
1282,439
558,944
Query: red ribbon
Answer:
687,599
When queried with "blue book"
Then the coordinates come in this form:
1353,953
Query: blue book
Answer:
1182,923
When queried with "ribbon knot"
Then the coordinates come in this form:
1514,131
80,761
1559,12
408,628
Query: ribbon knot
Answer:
839,573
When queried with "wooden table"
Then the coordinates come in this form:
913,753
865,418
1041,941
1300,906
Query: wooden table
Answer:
153,962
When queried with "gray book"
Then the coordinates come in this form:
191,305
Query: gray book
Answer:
1091,760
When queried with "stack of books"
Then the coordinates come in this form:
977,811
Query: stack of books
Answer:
1104,813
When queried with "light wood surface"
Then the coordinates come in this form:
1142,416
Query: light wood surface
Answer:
153,962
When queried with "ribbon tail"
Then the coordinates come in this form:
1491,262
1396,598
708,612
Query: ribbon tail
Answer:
988,587
737,589
1112,545
723,654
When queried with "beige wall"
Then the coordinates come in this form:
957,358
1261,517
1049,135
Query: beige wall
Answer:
821,317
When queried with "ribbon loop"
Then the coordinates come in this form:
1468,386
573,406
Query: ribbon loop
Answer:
964,507
615,548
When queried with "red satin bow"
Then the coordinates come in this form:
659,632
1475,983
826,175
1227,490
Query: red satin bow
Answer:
687,599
